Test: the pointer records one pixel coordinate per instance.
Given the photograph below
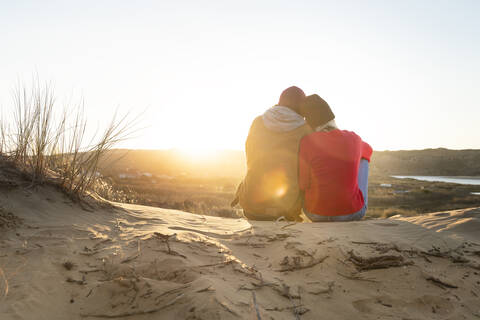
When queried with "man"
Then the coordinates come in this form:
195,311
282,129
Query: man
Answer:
270,189
333,167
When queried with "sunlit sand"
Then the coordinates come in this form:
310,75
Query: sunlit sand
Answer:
142,262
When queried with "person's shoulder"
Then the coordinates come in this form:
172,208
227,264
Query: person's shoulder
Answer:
350,134
347,132
258,121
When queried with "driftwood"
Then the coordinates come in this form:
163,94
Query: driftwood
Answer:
455,255
257,311
174,290
296,263
300,309
165,238
227,308
131,258
328,289
356,277
89,293
89,252
385,247
378,262
71,280
277,237
223,263
282,289
328,240
91,270
440,283
288,225
366,242
250,244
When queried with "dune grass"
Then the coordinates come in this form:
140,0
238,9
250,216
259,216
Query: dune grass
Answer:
49,143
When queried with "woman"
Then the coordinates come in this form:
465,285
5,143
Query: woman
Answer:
333,167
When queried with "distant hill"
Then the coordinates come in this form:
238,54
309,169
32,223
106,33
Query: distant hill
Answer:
435,162
231,163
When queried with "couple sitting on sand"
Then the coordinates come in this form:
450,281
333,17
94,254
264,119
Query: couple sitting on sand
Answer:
299,160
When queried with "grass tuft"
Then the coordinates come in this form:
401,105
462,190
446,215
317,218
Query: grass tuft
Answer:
49,144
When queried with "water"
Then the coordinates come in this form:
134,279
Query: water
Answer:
458,180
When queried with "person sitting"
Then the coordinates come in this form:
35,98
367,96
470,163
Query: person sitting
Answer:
270,188
333,167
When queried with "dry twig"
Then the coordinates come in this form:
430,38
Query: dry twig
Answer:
257,311
379,262
356,277
440,283
296,263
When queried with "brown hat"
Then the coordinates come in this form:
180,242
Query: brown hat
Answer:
292,97
316,111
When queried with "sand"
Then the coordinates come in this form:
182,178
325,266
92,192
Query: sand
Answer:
59,261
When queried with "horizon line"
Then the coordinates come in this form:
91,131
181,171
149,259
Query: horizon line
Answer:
237,150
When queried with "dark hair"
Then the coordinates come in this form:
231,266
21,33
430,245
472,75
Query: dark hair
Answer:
316,111
292,98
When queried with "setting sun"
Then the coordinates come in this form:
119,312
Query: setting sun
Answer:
198,153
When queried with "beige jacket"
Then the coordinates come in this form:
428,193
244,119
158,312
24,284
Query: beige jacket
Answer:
270,188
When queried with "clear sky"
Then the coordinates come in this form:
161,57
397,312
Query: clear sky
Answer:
402,74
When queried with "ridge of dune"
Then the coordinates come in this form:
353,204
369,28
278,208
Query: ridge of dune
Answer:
461,224
138,262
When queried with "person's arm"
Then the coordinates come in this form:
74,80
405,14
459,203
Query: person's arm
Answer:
304,166
250,144
248,147
366,151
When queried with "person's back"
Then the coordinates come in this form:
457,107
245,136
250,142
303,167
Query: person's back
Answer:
270,188
329,174
333,168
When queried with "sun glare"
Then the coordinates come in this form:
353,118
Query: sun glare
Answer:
280,191
197,152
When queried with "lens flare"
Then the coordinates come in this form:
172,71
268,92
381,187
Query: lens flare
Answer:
280,191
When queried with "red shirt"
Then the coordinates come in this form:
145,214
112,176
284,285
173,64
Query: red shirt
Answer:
329,172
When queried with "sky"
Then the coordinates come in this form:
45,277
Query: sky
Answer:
401,74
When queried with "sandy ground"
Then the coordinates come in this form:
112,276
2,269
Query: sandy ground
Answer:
136,262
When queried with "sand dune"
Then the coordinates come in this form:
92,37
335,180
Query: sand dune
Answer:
461,224
137,262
